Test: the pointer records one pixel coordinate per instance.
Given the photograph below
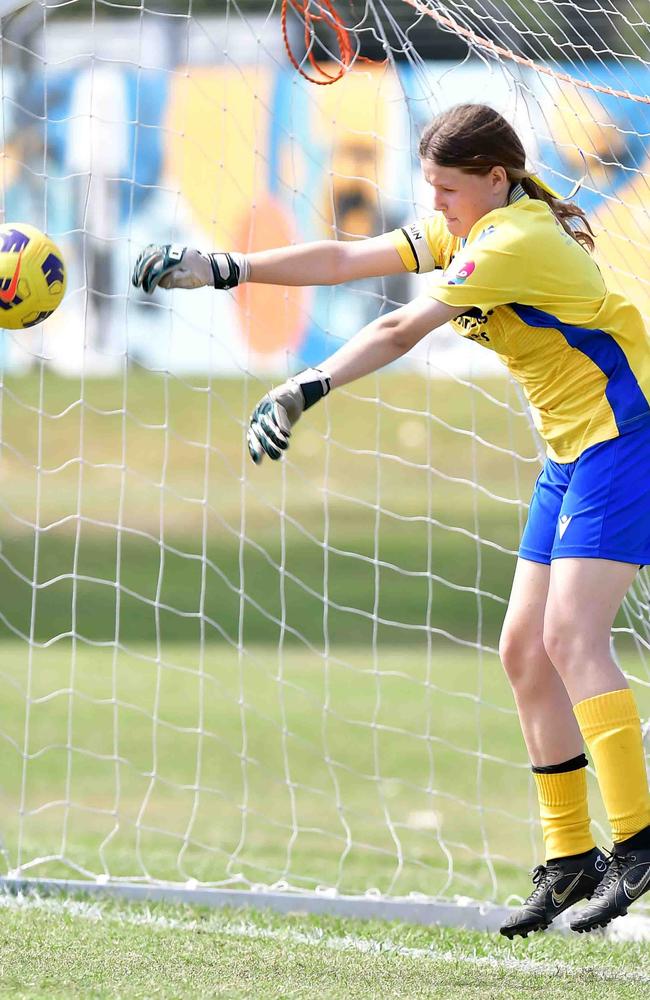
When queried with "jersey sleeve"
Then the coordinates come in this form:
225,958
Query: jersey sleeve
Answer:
420,244
493,270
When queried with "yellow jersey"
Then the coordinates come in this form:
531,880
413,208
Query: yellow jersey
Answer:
535,296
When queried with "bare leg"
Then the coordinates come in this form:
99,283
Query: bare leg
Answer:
545,711
552,737
584,596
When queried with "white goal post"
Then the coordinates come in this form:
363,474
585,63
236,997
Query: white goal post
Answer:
277,686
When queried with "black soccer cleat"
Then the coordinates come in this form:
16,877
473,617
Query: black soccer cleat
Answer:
626,880
558,885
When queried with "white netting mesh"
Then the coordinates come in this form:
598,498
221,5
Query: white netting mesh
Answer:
284,675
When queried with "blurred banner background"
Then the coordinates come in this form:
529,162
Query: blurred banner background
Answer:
122,128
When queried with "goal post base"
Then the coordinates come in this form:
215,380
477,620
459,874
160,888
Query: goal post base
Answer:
469,916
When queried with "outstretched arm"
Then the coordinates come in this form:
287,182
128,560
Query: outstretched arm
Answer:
377,344
326,262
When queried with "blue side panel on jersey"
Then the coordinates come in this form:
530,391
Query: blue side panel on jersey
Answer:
623,392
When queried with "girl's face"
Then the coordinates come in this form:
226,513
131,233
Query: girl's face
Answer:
465,198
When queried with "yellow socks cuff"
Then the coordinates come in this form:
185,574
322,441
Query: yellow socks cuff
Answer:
611,729
564,813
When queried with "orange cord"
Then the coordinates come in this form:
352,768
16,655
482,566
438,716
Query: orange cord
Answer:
332,19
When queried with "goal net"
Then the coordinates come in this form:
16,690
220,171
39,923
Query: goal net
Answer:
278,678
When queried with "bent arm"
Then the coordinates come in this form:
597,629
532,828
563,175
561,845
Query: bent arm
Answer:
377,344
386,339
326,262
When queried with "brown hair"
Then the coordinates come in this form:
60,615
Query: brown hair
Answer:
475,138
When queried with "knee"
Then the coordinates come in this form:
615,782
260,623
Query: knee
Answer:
522,654
565,642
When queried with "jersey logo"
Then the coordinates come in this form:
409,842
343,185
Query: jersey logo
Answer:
486,232
7,295
565,521
471,322
463,273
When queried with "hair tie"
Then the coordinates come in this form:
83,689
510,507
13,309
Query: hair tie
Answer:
554,194
545,187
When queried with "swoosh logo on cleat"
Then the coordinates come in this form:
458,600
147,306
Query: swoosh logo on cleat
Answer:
9,294
560,897
634,889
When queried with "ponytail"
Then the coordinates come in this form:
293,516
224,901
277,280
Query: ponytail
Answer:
567,213
475,138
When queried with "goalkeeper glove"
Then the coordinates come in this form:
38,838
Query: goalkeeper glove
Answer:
173,266
278,411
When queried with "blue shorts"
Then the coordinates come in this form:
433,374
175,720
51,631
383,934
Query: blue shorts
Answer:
597,507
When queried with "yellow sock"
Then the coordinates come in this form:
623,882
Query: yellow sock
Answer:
611,728
564,812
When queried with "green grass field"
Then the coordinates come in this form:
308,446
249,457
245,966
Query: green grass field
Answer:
274,675
102,950
399,775
404,509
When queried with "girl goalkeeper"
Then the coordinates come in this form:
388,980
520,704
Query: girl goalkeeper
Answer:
514,272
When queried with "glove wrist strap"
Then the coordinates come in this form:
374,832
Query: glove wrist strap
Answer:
314,384
229,269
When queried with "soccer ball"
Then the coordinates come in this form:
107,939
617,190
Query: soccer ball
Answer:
32,276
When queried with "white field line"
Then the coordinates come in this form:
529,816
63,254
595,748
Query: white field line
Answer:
240,928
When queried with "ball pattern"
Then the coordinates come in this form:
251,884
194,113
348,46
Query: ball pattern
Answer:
32,276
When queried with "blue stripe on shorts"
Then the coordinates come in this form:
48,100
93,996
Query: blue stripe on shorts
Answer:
597,507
